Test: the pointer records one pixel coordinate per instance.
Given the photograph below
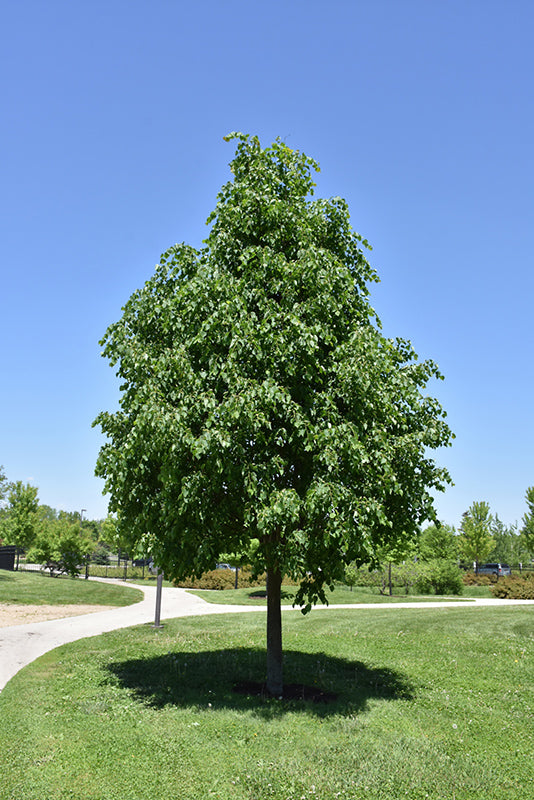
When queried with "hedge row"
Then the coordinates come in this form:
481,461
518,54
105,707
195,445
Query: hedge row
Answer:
132,573
471,579
515,587
430,577
223,579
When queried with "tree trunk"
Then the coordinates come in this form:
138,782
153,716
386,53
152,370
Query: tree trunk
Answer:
274,633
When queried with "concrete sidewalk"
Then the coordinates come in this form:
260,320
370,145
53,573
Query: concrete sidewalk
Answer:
22,644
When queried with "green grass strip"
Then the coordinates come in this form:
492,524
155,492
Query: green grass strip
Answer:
33,588
341,595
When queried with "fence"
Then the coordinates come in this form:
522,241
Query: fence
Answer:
119,567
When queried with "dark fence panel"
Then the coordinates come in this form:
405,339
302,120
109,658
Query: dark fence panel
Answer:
7,557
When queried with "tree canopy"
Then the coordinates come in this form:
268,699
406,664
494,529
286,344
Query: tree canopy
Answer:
475,541
20,523
528,519
438,541
3,483
260,400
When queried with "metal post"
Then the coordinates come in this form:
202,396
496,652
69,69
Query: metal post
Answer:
159,588
87,555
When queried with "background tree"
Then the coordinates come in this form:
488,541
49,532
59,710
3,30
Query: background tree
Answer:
438,551
47,512
3,503
527,531
351,575
510,545
393,554
60,545
260,399
438,541
3,483
20,525
116,539
475,541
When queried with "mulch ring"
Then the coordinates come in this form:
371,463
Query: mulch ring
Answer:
292,691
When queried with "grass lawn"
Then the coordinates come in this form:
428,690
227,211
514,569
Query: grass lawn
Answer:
340,595
34,588
431,703
477,591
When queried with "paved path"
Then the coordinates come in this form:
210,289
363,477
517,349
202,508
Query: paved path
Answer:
22,644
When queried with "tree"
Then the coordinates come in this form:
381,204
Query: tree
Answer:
438,541
47,512
20,526
527,531
3,483
112,535
60,545
438,550
510,545
3,503
394,553
475,541
260,399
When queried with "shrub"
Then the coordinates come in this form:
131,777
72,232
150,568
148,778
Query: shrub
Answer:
440,577
516,587
112,571
470,579
365,577
223,579
403,576
214,579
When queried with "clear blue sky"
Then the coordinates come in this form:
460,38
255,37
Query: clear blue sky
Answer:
421,114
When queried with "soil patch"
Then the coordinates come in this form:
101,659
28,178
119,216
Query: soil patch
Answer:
19,614
292,691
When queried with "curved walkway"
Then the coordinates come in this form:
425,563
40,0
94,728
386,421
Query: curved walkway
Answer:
22,644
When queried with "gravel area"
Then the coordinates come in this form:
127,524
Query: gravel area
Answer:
15,614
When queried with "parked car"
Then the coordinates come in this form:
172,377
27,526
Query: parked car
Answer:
142,562
494,569
224,566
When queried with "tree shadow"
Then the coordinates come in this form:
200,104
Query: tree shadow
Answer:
261,594
219,679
